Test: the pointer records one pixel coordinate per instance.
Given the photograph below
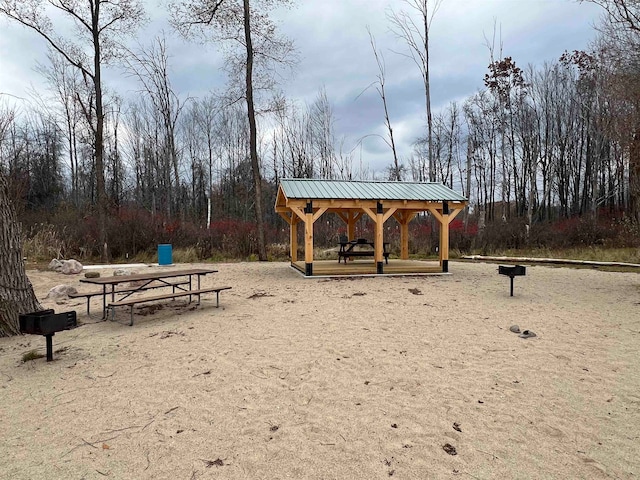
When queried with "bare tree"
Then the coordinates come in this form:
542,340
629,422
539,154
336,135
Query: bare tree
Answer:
623,13
151,67
416,35
620,45
66,82
506,83
235,21
7,117
98,24
395,170
204,119
320,116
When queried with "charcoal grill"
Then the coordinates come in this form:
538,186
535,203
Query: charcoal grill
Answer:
47,323
512,271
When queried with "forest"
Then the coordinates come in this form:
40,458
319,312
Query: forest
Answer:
548,155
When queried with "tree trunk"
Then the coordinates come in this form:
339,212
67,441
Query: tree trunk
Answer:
16,291
99,140
427,91
253,144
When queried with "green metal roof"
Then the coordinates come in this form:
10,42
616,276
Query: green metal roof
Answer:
304,188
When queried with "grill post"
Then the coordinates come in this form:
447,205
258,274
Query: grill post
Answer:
49,338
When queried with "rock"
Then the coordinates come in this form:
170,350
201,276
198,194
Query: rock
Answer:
60,291
92,274
55,265
70,267
121,271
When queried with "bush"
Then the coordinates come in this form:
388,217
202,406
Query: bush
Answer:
134,233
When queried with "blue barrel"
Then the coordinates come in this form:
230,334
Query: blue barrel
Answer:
165,254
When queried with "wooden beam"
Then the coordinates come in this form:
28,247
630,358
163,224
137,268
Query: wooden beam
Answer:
357,204
404,241
378,244
404,216
369,212
444,244
388,213
287,218
293,241
453,213
319,213
436,213
299,212
308,240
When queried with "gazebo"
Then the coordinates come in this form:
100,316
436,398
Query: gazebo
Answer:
306,200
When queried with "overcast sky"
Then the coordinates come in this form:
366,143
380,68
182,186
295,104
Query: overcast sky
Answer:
335,54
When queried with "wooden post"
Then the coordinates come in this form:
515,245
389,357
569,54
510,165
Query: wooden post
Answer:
403,217
404,236
444,238
404,241
293,238
308,239
379,239
351,226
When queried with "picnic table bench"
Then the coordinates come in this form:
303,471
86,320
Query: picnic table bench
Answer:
95,293
131,302
348,249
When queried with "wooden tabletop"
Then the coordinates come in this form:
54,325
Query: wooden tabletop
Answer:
115,279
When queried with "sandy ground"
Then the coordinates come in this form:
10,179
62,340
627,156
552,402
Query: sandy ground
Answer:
336,379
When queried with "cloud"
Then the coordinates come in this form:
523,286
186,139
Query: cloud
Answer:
335,54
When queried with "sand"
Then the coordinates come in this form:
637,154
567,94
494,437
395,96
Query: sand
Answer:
336,379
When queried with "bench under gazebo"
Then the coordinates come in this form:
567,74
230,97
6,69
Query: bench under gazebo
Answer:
306,200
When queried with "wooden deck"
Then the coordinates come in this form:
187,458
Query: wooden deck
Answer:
330,268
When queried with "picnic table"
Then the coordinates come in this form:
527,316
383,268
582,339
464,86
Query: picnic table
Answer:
181,282
348,249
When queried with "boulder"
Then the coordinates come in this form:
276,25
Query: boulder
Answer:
122,271
70,267
60,291
55,265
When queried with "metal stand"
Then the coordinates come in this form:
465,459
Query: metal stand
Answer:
49,338
512,271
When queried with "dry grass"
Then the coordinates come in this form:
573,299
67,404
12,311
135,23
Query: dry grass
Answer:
44,245
31,355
